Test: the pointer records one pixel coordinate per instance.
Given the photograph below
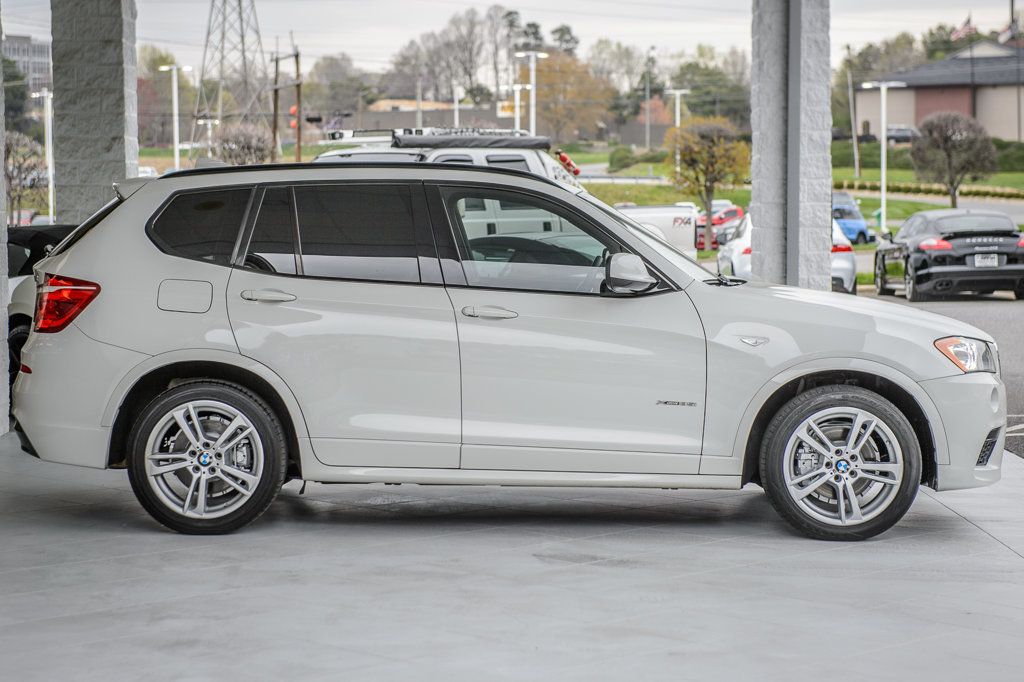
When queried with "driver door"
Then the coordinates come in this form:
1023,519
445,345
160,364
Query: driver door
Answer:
556,376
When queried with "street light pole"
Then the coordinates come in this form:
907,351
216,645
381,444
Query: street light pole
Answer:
173,68
647,97
47,98
455,101
883,91
678,93
516,98
533,56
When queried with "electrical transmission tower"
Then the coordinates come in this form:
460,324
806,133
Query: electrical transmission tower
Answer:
233,85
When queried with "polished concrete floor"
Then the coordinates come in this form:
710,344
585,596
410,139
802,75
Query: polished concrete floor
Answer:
417,583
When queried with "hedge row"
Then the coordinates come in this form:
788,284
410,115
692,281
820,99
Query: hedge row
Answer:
1009,155
925,188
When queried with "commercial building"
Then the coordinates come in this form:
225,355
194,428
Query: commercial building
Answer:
982,81
33,59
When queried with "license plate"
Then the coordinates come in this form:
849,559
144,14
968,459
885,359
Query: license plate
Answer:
986,260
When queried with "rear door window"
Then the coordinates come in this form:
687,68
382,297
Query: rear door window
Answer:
272,247
362,232
201,225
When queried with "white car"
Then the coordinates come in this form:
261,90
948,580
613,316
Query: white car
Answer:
676,222
734,257
221,331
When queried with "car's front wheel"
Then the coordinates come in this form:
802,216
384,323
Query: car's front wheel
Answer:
207,457
840,463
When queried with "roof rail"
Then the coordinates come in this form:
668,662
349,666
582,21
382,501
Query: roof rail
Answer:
265,167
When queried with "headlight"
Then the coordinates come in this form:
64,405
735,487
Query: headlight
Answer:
970,355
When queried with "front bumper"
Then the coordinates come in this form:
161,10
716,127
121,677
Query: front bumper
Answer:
972,407
956,278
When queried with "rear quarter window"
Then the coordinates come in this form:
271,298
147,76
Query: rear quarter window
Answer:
201,225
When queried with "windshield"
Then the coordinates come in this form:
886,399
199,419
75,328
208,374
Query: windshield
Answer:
678,258
976,223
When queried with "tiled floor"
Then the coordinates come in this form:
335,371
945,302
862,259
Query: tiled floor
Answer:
442,583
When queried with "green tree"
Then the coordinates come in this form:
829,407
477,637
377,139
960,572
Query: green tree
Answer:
710,155
15,98
564,39
713,92
952,148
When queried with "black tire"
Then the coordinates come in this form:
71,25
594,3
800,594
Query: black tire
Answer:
782,427
861,238
880,287
17,335
267,426
910,290
1019,294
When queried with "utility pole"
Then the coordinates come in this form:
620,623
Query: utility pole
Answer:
419,101
275,146
533,56
298,104
647,98
516,98
173,68
853,112
1015,37
277,87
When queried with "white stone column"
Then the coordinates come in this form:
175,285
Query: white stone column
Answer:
791,165
4,406
95,130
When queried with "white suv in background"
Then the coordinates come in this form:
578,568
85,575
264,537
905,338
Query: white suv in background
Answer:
221,331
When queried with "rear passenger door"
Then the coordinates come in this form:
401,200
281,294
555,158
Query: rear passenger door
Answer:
337,289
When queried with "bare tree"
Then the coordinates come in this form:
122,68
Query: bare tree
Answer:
497,49
466,36
952,148
23,164
406,68
711,154
569,98
620,64
244,143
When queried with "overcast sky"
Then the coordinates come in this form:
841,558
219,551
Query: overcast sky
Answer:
371,30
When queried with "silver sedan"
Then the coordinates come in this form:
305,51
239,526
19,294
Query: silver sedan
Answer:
734,257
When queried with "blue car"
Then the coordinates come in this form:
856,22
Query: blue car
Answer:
847,214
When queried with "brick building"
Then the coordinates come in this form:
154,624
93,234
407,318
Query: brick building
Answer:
983,81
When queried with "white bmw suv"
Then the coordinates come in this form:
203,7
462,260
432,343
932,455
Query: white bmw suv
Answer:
219,332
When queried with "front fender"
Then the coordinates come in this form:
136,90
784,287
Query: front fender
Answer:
839,364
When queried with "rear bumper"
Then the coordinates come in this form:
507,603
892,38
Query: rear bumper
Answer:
973,409
60,419
954,278
844,272
26,444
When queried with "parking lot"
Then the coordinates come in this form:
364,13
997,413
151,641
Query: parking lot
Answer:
413,582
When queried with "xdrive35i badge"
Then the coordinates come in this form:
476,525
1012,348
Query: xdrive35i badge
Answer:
675,403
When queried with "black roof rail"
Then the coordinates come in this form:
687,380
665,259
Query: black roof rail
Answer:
218,170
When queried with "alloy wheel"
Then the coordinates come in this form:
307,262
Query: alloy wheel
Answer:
843,466
204,459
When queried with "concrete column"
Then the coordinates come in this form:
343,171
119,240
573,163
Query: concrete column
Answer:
4,407
95,130
791,163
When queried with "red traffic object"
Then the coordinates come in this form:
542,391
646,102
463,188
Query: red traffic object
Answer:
935,244
841,248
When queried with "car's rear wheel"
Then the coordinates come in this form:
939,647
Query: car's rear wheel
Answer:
910,289
17,336
840,463
861,238
880,288
207,457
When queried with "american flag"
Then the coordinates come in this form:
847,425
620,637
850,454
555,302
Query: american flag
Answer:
967,29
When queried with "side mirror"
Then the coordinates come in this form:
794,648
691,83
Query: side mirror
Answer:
885,235
837,214
626,273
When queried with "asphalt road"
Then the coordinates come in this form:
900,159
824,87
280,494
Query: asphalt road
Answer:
1002,317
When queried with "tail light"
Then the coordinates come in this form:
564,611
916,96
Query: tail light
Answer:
1020,244
60,300
841,248
935,244
747,251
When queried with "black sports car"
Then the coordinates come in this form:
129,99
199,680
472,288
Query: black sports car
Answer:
950,251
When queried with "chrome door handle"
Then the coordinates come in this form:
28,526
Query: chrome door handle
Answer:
267,295
489,312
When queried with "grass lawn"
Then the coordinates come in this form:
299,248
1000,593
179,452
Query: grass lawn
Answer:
646,169
897,210
588,157
646,195
1014,179
162,158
